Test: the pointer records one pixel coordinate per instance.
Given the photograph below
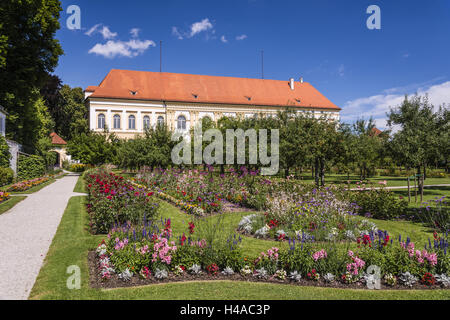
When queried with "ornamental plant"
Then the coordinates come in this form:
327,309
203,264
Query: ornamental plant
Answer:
112,201
268,260
428,279
212,269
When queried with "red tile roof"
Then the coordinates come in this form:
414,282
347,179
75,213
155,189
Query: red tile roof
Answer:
177,87
57,139
376,131
91,88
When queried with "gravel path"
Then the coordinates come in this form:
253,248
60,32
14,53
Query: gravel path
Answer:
26,232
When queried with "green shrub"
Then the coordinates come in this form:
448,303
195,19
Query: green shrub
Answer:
5,156
435,173
77,167
30,167
379,203
6,176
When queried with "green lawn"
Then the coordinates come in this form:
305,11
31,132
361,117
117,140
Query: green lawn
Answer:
391,181
429,194
11,202
72,243
80,186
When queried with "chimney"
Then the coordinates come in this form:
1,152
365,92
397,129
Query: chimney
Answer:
301,79
291,83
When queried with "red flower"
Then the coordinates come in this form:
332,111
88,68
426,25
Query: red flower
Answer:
149,194
212,269
191,227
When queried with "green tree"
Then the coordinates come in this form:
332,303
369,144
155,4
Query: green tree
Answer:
417,135
94,148
28,53
5,155
367,147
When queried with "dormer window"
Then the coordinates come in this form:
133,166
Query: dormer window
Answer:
195,95
248,98
133,93
298,100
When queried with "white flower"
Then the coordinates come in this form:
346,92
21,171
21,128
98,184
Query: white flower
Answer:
260,273
295,276
280,274
443,279
261,233
125,275
350,235
246,270
161,274
329,277
195,269
228,271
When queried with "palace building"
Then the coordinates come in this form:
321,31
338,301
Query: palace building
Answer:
126,102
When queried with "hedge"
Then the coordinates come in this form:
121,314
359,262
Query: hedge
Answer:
6,176
30,167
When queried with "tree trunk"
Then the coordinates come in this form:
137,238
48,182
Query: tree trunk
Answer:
316,171
420,180
286,172
222,169
322,172
424,171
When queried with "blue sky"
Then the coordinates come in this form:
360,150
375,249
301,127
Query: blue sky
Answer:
326,42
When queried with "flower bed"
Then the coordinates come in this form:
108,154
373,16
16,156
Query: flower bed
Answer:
112,200
317,215
194,190
4,196
27,184
149,253
188,208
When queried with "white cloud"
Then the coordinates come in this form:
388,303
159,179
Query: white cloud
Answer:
241,37
201,26
378,105
196,28
223,39
105,32
93,29
135,32
131,48
177,33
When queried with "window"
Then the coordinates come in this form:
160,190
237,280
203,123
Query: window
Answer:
131,122
160,121
146,122
116,124
181,123
101,121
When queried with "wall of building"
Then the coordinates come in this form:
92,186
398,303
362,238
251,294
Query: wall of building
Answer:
171,111
14,149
